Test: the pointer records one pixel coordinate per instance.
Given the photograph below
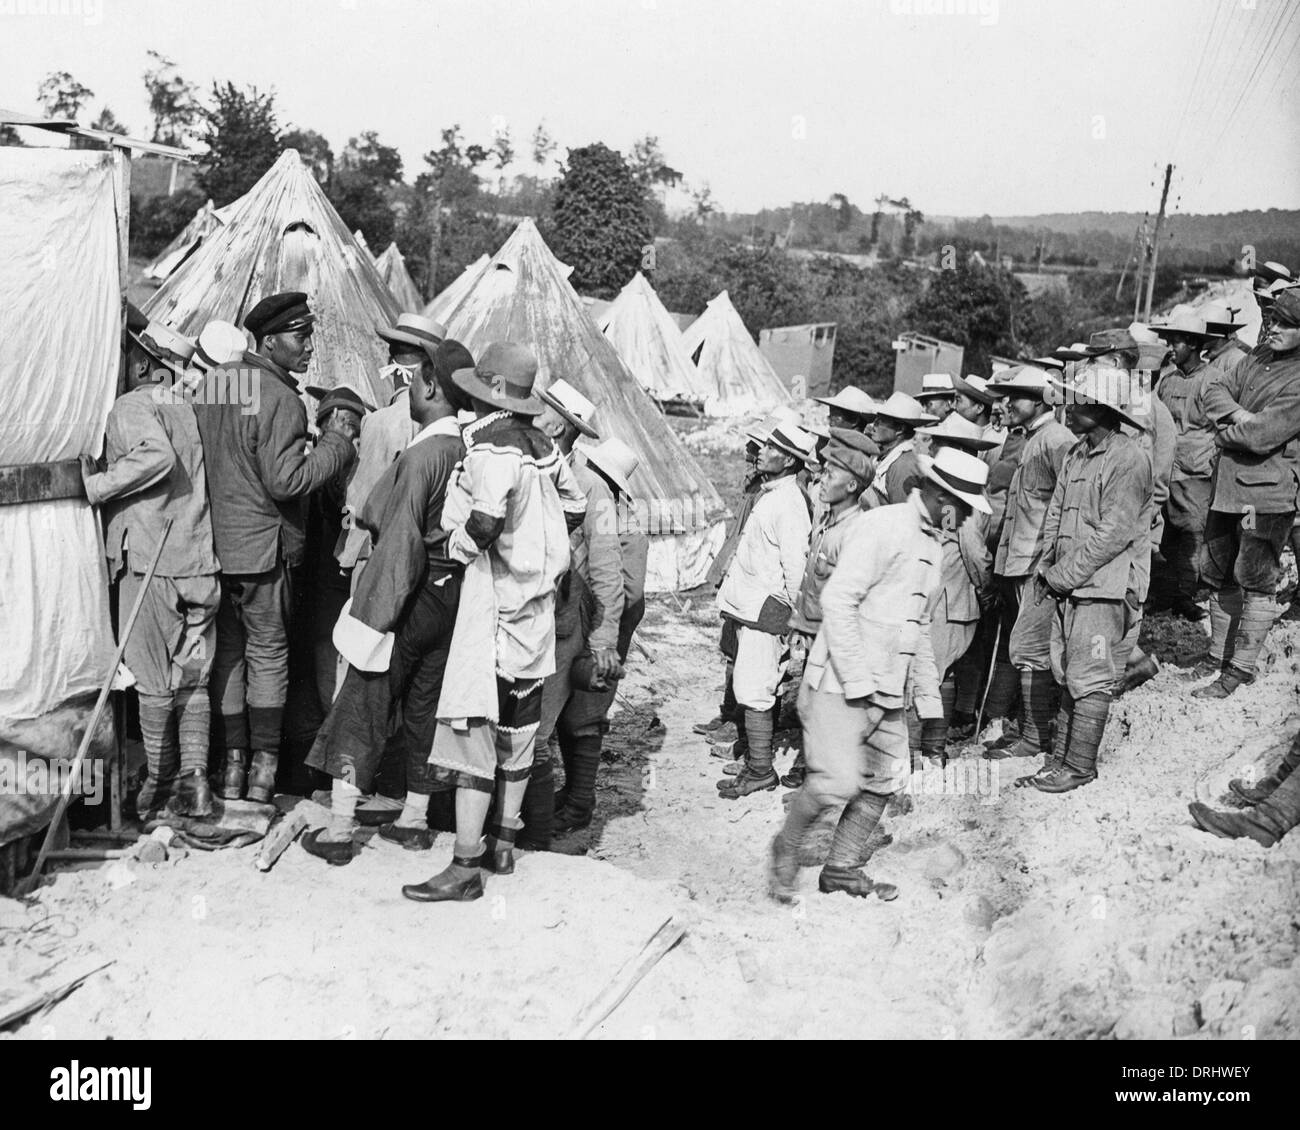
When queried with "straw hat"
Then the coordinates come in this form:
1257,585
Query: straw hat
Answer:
959,473
958,430
1021,380
977,388
413,329
793,440
572,405
935,386
616,461
905,409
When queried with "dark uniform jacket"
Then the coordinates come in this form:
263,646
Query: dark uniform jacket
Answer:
259,471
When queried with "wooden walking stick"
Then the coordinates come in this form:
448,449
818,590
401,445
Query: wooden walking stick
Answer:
988,683
65,797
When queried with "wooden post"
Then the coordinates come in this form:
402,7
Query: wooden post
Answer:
1155,241
1143,253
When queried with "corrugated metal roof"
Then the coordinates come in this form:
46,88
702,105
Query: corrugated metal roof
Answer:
522,295
285,235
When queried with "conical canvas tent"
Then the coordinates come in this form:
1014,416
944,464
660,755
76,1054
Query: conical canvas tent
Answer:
523,296
285,235
650,344
360,237
392,269
206,220
448,299
737,376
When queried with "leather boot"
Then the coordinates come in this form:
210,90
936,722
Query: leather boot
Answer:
582,768
460,881
499,858
798,772
261,779
1230,825
746,782
1253,794
1038,693
1138,671
193,795
337,853
235,775
1087,725
853,881
1227,682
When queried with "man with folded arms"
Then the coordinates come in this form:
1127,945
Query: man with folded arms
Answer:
1256,412
873,644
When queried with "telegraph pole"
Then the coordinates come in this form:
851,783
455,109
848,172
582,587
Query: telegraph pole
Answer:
1143,254
1155,242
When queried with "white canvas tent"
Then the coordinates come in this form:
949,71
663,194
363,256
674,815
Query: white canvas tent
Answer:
61,227
285,235
447,300
650,344
523,295
206,220
392,269
737,378
360,237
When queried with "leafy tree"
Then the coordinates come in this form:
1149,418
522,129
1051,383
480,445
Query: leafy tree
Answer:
173,102
315,151
157,220
449,183
9,136
108,122
543,145
654,175
62,96
503,152
243,141
600,220
361,185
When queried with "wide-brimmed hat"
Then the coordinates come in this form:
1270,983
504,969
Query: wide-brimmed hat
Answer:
935,385
616,461
1183,322
1108,341
164,344
413,329
1101,384
794,440
220,344
852,451
572,405
1221,319
1065,353
340,396
850,399
905,409
1286,308
958,473
977,388
503,379
958,430
758,433
1268,275
1021,380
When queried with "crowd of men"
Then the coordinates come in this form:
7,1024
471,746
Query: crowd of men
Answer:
993,542
456,582
453,580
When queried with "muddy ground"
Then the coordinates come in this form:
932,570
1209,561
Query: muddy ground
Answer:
1099,913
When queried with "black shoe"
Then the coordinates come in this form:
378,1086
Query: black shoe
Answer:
412,839
1190,611
235,775
1062,780
1252,794
1135,674
261,778
854,882
461,881
746,782
1229,825
193,795
571,818
499,857
795,778
331,851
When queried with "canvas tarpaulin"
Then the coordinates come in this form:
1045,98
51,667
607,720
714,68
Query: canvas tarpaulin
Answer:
60,321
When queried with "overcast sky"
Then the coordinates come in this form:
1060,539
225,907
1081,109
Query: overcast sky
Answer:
1006,107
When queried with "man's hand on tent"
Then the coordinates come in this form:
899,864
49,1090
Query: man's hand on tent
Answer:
89,469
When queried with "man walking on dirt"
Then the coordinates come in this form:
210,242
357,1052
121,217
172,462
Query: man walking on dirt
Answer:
873,644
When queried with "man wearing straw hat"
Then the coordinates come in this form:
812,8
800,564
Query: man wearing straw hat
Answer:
1226,348
1180,388
894,430
1095,568
850,409
509,513
758,596
938,395
582,723
155,473
966,588
1256,411
873,645
588,605
1026,616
